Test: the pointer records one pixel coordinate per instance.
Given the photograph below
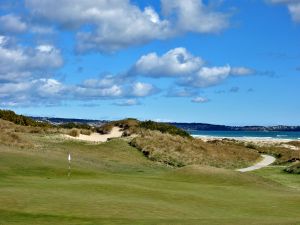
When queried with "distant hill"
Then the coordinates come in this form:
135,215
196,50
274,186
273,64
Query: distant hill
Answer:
59,121
212,127
184,126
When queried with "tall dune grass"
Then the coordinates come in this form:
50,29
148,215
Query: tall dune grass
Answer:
179,151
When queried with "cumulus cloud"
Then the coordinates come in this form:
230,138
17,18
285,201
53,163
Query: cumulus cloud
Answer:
140,89
176,62
122,86
200,100
194,16
116,24
293,7
113,91
11,23
190,70
17,62
35,92
207,76
52,92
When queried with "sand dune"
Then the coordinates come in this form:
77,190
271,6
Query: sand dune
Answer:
96,137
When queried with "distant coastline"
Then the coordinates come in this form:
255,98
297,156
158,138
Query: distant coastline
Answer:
190,127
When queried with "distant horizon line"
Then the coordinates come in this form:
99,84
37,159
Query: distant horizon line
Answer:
166,121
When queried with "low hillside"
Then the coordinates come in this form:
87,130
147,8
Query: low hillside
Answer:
20,119
180,151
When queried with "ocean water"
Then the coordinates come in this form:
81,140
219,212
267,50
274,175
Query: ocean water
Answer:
247,134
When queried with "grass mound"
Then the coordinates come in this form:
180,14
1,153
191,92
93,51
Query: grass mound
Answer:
164,128
294,169
181,151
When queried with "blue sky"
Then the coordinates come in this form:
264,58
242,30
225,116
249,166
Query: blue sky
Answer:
224,62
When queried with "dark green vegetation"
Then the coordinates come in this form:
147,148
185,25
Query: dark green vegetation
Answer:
113,183
20,119
164,128
294,169
75,125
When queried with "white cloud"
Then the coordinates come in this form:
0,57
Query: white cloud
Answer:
12,24
17,62
94,93
176,62
293,7
208,76
241,71
34,92
3,40
200,100
195,16
49,87
117,24
180,63
295,11
45,48
187,68
140,89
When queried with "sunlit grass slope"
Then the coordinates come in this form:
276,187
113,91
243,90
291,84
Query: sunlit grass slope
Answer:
113,183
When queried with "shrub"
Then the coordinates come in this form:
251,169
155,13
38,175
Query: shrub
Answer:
282,154
75,125
86,132
164,128
74,132
294,169
105,128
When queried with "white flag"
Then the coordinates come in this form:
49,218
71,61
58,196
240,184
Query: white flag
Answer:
69,157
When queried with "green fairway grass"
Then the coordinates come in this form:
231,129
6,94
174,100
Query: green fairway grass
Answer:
113,183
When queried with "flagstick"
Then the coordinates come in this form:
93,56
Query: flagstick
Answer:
69,159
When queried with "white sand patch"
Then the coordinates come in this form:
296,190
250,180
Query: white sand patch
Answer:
256,141
96,137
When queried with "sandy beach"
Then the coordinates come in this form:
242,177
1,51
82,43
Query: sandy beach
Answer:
96,137
257,141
